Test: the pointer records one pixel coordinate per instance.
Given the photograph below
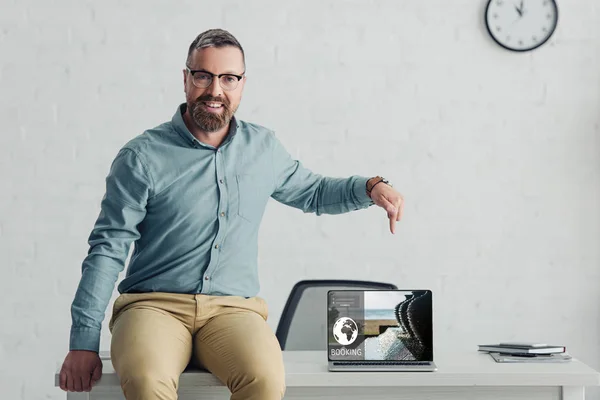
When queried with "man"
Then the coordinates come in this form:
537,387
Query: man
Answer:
191,194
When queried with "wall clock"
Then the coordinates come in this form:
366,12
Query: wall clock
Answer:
521,25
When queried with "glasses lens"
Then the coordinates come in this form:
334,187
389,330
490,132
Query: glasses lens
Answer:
229,82
202,80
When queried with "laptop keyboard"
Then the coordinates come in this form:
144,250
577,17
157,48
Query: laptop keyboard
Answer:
382,363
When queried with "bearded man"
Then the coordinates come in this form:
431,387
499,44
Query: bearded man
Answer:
191,193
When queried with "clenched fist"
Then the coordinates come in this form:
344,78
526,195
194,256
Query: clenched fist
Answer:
80,371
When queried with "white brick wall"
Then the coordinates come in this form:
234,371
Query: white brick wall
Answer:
496,153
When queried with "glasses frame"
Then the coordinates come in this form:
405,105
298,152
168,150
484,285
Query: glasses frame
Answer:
212,78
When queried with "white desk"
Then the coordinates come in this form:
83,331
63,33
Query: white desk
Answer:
464,376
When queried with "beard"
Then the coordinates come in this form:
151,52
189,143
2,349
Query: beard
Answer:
207,121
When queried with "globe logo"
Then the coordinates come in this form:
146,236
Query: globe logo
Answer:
345,331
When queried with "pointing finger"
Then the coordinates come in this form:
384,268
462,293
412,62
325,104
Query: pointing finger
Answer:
389,207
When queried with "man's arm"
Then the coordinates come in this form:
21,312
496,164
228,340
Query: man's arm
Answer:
122,209
299,187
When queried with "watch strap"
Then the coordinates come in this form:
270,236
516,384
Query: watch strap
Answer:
374,181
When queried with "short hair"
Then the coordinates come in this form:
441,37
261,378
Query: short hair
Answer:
214,38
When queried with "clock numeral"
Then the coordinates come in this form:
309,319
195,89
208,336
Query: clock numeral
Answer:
498,28
520,43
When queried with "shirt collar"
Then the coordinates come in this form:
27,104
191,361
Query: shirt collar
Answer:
185,133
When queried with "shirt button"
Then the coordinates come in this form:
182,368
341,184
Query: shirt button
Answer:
221,180
206,278
216,246
222,214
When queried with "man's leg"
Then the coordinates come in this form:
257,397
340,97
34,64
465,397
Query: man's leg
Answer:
238,347
151,343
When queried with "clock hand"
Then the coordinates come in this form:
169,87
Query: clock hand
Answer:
519,11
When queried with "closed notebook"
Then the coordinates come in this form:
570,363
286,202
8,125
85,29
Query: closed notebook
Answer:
521,349
546,358
523,344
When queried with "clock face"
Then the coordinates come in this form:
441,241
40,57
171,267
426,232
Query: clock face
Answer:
521,25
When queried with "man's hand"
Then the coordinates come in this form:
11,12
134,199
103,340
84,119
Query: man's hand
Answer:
389,199
80,371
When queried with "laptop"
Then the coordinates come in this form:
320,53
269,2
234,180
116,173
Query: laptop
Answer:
380,330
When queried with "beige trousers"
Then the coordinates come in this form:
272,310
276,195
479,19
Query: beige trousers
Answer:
155,336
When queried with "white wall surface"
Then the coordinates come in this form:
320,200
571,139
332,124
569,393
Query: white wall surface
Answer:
496,153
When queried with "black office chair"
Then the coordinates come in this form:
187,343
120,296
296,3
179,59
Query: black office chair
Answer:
303,323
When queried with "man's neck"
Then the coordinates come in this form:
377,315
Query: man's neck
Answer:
210,138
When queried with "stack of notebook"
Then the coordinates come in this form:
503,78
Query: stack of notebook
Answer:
525,352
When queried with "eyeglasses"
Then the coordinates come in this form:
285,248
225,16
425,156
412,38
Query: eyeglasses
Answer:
203,79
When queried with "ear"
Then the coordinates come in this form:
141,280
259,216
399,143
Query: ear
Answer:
185,75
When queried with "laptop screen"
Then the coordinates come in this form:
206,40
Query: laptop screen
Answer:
379,325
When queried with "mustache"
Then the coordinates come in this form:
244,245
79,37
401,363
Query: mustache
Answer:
209,99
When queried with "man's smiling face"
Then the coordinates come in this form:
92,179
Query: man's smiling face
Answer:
211,108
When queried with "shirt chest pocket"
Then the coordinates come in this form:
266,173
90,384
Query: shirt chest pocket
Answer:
253,191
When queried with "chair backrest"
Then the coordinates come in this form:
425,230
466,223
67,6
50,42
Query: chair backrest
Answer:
303,323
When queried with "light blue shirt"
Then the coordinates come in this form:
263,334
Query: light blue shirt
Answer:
193,212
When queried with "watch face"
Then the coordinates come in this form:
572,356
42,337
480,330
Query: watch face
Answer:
521,25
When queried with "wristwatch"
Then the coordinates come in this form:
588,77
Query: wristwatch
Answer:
374,181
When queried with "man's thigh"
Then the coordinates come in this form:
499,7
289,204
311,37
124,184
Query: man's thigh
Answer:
238,346
148,341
